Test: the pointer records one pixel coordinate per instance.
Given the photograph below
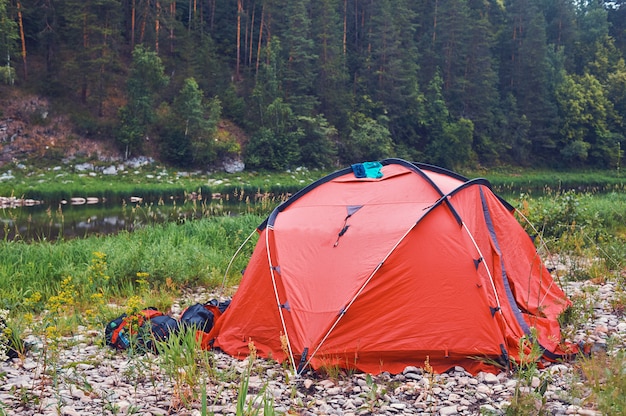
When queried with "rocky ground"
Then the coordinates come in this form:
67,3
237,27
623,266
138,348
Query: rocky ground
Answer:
83,377
33,129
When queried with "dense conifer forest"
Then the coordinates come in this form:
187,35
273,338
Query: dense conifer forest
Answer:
319,82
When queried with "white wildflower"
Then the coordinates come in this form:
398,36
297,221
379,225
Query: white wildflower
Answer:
4,341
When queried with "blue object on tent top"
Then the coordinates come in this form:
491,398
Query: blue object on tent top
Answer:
367,170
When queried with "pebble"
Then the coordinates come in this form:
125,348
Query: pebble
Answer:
88,378
491,378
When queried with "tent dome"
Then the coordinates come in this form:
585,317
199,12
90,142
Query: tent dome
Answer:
388,264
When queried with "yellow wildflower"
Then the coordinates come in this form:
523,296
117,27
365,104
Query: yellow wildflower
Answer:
52,332
134,305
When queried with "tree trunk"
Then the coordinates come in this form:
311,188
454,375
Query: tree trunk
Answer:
435,23
133,13
23,39
84,87
142,33
258,52
157,26
345,27
239,11
250,36
101,86
189,17
172,20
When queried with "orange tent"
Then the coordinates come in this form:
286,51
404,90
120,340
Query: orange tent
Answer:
383,265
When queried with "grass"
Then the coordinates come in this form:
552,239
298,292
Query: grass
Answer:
152,183
172,256
605,378
512,181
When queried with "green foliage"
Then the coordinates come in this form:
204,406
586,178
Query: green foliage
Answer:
146,80
92,32
189,127
300,72
604,375
333,78
529,395
539,82
585,230
450,143
271,150
368,140
318,143
556,213
186,364
8,42
453,148
246,405
525,70
586,113
275,144
7,75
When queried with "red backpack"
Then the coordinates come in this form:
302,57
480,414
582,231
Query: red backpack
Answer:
118,333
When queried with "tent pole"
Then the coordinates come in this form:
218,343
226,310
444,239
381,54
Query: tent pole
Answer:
280,309
231,262
493,285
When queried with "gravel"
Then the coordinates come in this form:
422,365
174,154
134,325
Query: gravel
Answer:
81,376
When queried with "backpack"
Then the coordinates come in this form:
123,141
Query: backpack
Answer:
161,327
118,333
202,316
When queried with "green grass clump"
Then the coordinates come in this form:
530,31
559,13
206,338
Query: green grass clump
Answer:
587,231
511,181
171,255
605,381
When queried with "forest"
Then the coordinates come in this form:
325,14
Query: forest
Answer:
317,83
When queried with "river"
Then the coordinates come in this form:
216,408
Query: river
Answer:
35,221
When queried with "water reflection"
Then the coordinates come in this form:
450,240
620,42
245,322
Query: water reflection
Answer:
68,220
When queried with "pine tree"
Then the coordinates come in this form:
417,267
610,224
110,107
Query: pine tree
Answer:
189,127
146,80
41,25
617,19
593,30
450,143
298,50
332,84
392,70
479,98
524,74
94,28
275,144
451,41
560,17
8,43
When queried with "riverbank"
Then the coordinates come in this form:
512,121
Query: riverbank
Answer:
78,375
60,295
